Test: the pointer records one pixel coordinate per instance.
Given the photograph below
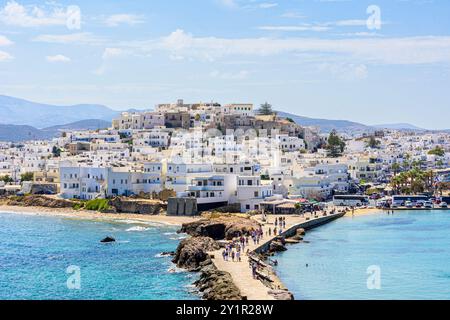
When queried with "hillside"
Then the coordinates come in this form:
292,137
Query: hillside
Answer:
327,126
17,133
22,112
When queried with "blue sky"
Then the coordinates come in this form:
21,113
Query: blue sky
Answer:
317,58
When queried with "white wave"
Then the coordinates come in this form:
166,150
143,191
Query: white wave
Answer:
137,228
175,269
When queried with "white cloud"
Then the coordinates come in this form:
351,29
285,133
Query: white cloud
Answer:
15,14
4,41
76,38
108,54
243,74
112,52
58,58
118,19
408,50
267,5
228,3
345,71
5,56
305,27
293,15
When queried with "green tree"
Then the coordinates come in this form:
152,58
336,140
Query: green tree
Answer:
56,152
438,151
6,179
396,168
27,176
265,109
290,120
336,145
373,143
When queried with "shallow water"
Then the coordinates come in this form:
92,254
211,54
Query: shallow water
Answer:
35,252
408,252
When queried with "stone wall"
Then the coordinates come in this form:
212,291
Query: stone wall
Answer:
182,207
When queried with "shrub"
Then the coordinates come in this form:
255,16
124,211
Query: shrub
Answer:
97,205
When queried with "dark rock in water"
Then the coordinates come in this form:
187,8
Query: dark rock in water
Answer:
167,254
191,252
277,246
108,239
281,294
300,232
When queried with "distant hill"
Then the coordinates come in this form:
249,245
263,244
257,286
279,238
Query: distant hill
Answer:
327,126
22,112
17,133
399,126
90,124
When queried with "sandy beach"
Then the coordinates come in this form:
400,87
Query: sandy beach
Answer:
94,215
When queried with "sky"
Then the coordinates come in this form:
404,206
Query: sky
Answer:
374,62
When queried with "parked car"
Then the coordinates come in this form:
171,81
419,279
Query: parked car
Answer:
428,204
443,205
419,205
409,204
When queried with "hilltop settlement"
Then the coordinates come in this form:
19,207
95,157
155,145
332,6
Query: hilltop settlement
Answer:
256,179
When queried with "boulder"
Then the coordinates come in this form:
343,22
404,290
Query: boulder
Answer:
222,227
107,240
191,252
217,285
277,246
281,294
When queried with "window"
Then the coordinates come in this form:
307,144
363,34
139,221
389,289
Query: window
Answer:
256,194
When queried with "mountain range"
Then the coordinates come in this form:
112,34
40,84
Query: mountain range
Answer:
22,112
16,133
24,120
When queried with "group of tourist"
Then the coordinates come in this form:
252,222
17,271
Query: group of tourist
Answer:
257,235
233,251
280,225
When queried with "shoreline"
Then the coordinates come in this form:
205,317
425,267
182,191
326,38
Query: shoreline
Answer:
256,289
98,216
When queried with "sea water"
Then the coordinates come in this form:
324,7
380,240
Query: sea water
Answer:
380,256
43,257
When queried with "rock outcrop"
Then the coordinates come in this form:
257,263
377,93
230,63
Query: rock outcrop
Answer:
222,227
40,201
216,285
108,240
149,207
281,294
191,252
277,246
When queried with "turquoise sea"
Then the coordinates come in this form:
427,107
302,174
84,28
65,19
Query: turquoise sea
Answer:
408,252
35,252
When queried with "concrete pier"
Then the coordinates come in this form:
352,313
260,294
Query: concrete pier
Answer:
255,289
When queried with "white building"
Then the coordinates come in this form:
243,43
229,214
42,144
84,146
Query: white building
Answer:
251,192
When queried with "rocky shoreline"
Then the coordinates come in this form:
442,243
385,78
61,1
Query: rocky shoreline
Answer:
192,253
205,235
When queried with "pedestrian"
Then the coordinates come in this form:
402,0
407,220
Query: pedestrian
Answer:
223,254
232,255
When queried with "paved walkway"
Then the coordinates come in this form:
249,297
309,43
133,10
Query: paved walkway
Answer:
241,272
